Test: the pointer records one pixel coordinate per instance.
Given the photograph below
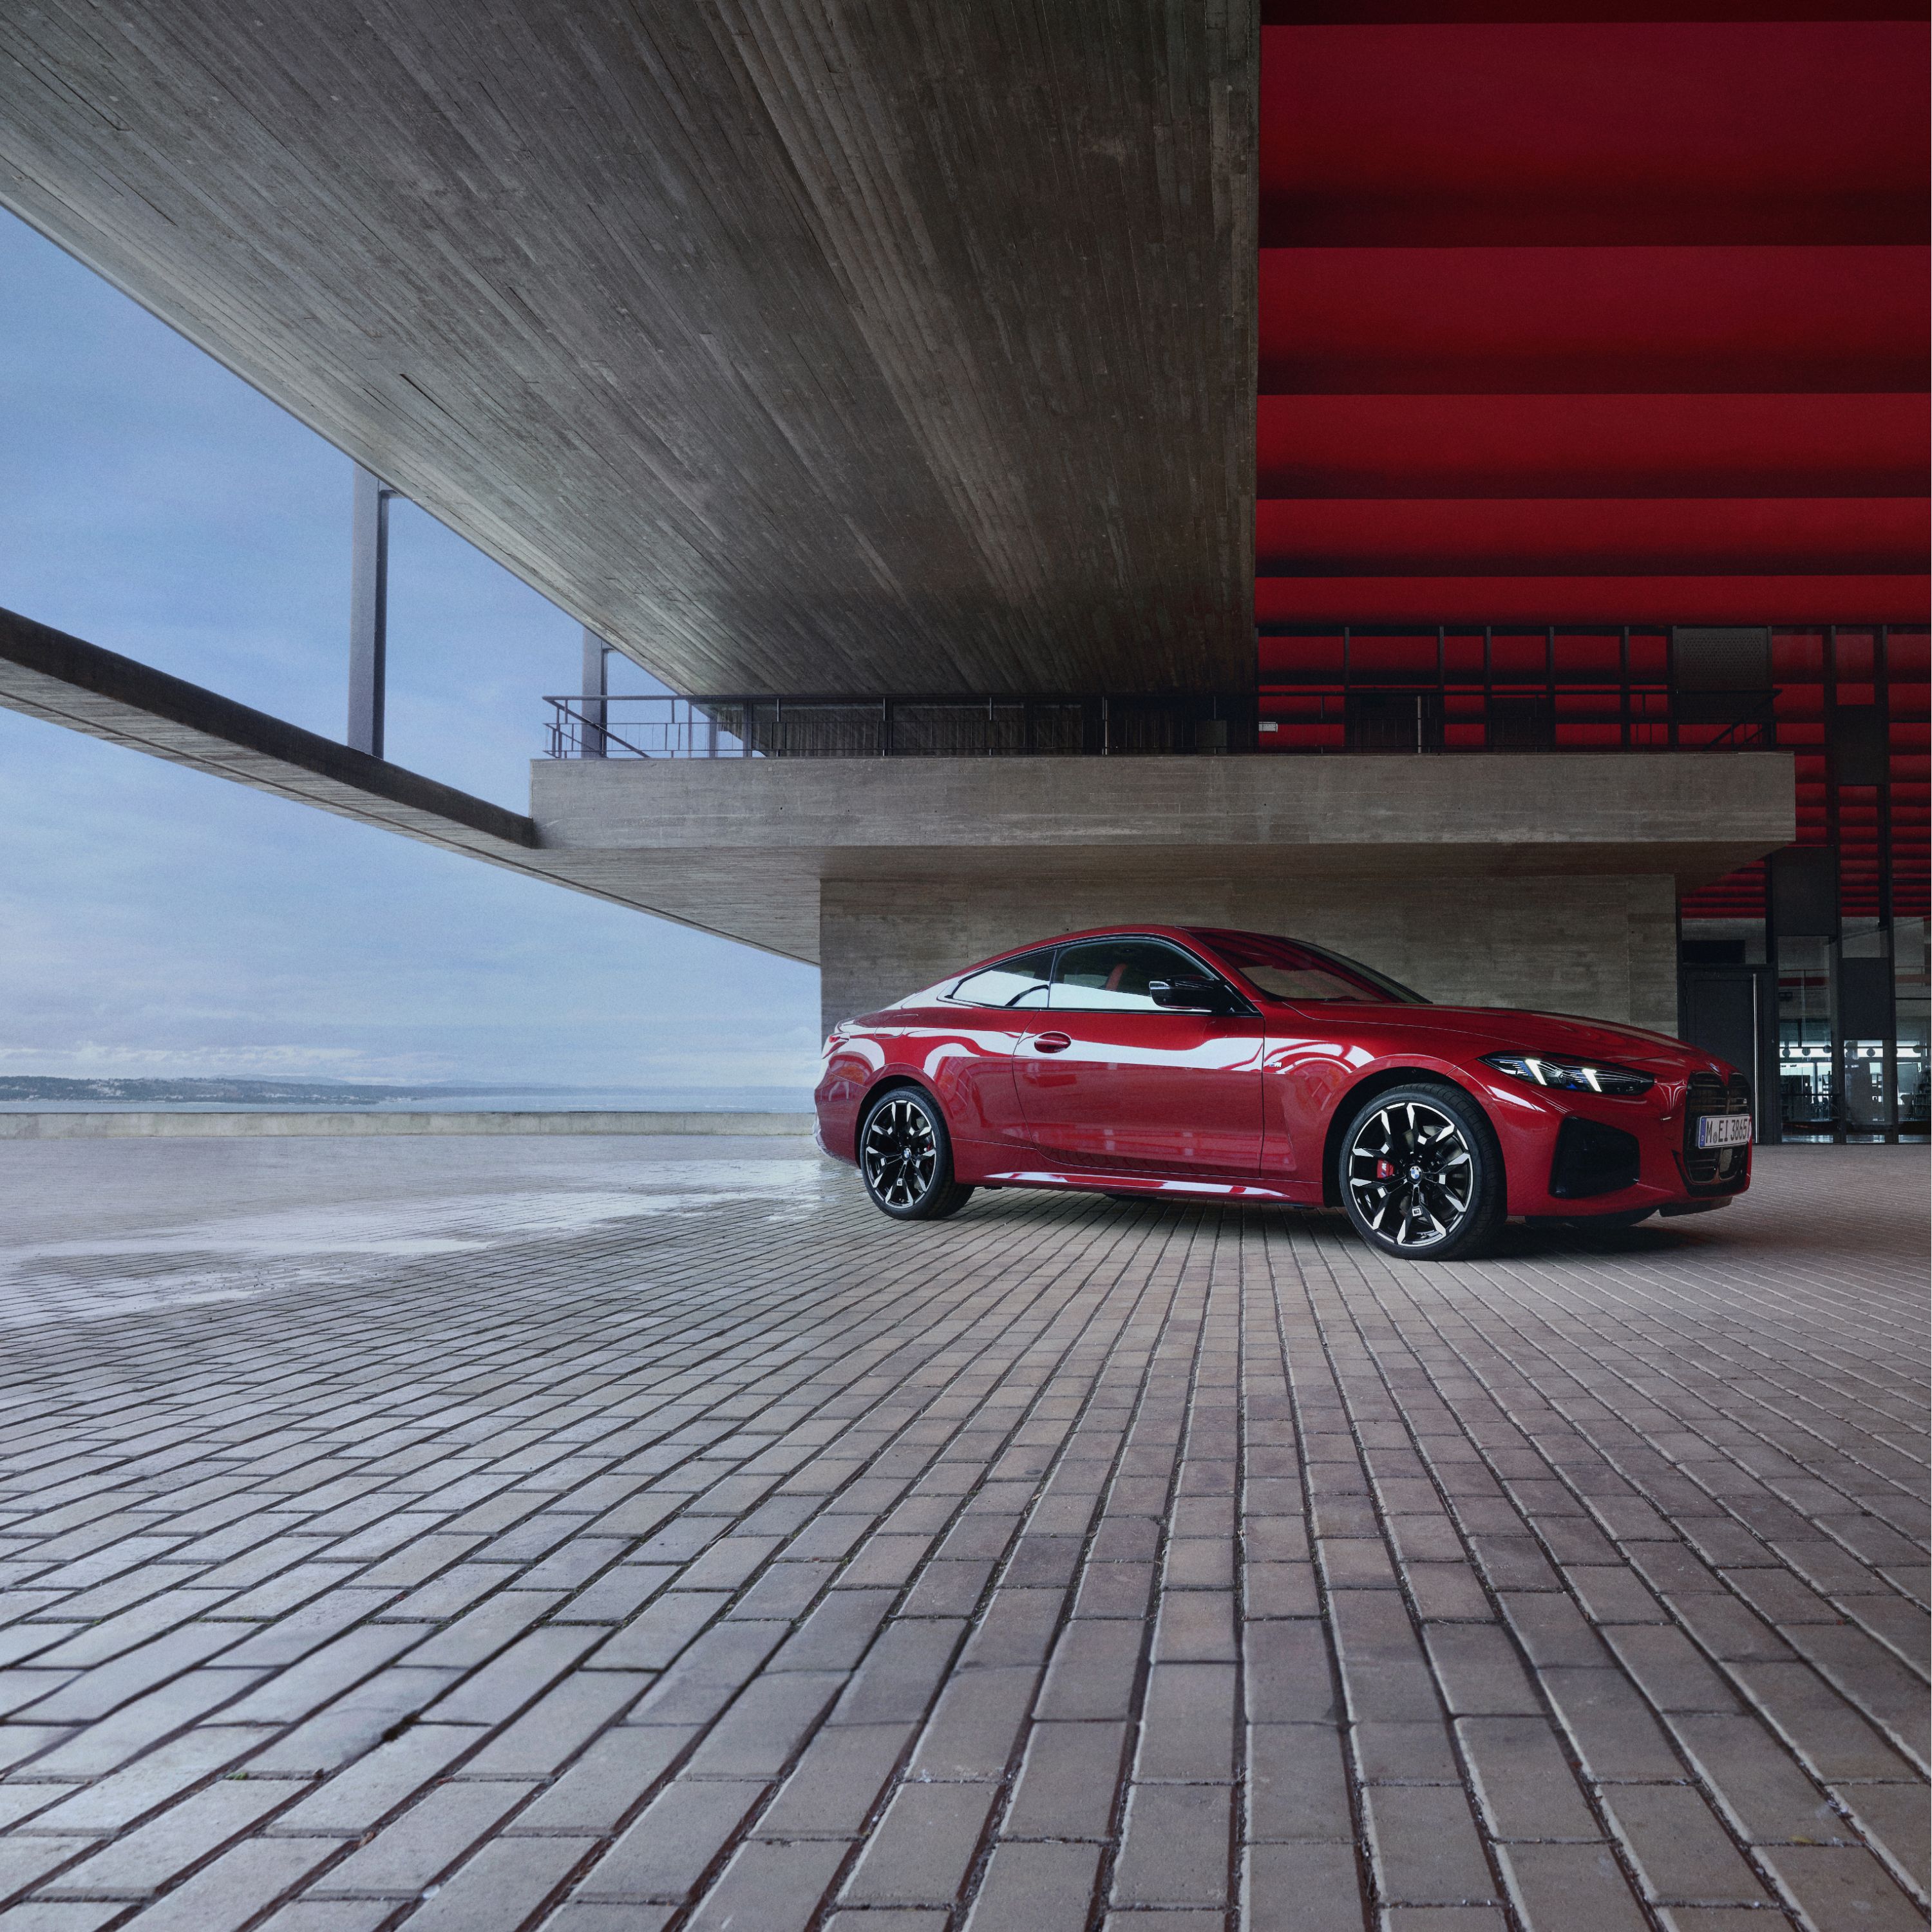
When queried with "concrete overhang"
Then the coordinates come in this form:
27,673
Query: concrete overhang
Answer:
741,846
791,346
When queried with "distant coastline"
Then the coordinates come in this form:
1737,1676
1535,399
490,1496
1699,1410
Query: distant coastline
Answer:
42,1093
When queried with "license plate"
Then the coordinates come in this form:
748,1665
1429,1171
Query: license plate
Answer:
1724,1130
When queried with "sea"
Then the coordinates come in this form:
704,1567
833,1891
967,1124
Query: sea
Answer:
470,1100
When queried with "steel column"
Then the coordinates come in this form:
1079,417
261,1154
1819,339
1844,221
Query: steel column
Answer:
596,682
368,611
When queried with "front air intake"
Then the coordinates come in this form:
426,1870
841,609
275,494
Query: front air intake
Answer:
1592,1159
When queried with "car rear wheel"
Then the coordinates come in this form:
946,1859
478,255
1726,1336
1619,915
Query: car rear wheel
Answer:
905,1155
1422,1174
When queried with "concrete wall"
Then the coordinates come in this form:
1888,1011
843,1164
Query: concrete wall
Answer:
1603,946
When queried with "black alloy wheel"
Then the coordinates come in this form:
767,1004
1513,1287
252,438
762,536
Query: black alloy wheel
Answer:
906,1157
1422,1174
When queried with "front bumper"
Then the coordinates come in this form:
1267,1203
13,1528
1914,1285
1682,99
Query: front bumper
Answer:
1575,1155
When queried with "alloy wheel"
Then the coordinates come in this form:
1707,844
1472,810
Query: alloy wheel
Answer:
1410,1176
901,1153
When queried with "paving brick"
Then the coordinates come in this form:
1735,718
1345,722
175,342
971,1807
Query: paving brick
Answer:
603,1786
332,1915
1017,1627
767,1725
1290,1677
1299,1888
1092,1671
500,1888
92,1693
1174,1849
1895,1817
1035,1888
1425,1846
242,1883
1553,1631
425,1841
144,1860
1609,1726
835,1636
1677,1847
664,1853
1523,1783
552,1731
112,1803
773,1888
832,1791
378,1707
1067,1781
1478,1671
1759,1786
653,1639
919,1850
1187,1723
1830,1739
708,1674
1841,1888
1570,1888
1673,1674
1297,1785
976,1726
900,1675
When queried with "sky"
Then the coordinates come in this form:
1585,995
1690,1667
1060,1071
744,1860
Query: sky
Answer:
156,921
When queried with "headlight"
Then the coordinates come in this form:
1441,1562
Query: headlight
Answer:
1579,1076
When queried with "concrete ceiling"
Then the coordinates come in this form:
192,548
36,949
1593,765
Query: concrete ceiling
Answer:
796,345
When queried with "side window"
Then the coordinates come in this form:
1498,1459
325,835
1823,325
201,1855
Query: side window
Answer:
1013,982
1112,975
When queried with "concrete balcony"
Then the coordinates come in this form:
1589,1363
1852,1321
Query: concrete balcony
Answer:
1538,880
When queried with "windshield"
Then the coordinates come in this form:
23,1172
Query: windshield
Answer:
1290,970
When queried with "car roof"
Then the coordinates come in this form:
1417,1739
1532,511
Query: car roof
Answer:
1184,934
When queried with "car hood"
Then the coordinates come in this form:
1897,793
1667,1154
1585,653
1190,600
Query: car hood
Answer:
1489,1029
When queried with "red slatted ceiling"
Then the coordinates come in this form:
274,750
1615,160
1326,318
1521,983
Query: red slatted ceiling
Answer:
1528,289
1600,315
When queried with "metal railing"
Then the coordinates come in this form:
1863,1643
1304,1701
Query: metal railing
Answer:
1381,715
749,727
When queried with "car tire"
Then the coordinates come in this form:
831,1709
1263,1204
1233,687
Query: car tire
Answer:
1419,1171
905,1157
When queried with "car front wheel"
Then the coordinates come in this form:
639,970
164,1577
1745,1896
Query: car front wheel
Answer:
1422,1174
905,1155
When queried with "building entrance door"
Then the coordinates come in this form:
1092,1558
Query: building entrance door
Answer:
1718,1012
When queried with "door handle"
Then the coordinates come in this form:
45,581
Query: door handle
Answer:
1051,1042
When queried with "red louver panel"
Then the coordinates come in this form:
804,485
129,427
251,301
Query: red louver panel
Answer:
1572,536
1590,600
1566,321
1869,444
1596,134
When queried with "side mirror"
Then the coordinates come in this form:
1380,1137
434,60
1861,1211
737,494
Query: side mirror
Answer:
1191,993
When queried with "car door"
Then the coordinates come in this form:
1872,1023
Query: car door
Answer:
984,1020
1109,1080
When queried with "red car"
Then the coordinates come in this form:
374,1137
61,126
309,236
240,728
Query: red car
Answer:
1186,1062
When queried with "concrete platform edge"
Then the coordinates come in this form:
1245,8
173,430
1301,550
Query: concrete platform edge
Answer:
57,1126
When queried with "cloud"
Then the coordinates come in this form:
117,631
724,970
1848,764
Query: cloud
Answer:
160,921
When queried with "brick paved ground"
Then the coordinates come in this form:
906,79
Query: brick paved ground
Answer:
602,1535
